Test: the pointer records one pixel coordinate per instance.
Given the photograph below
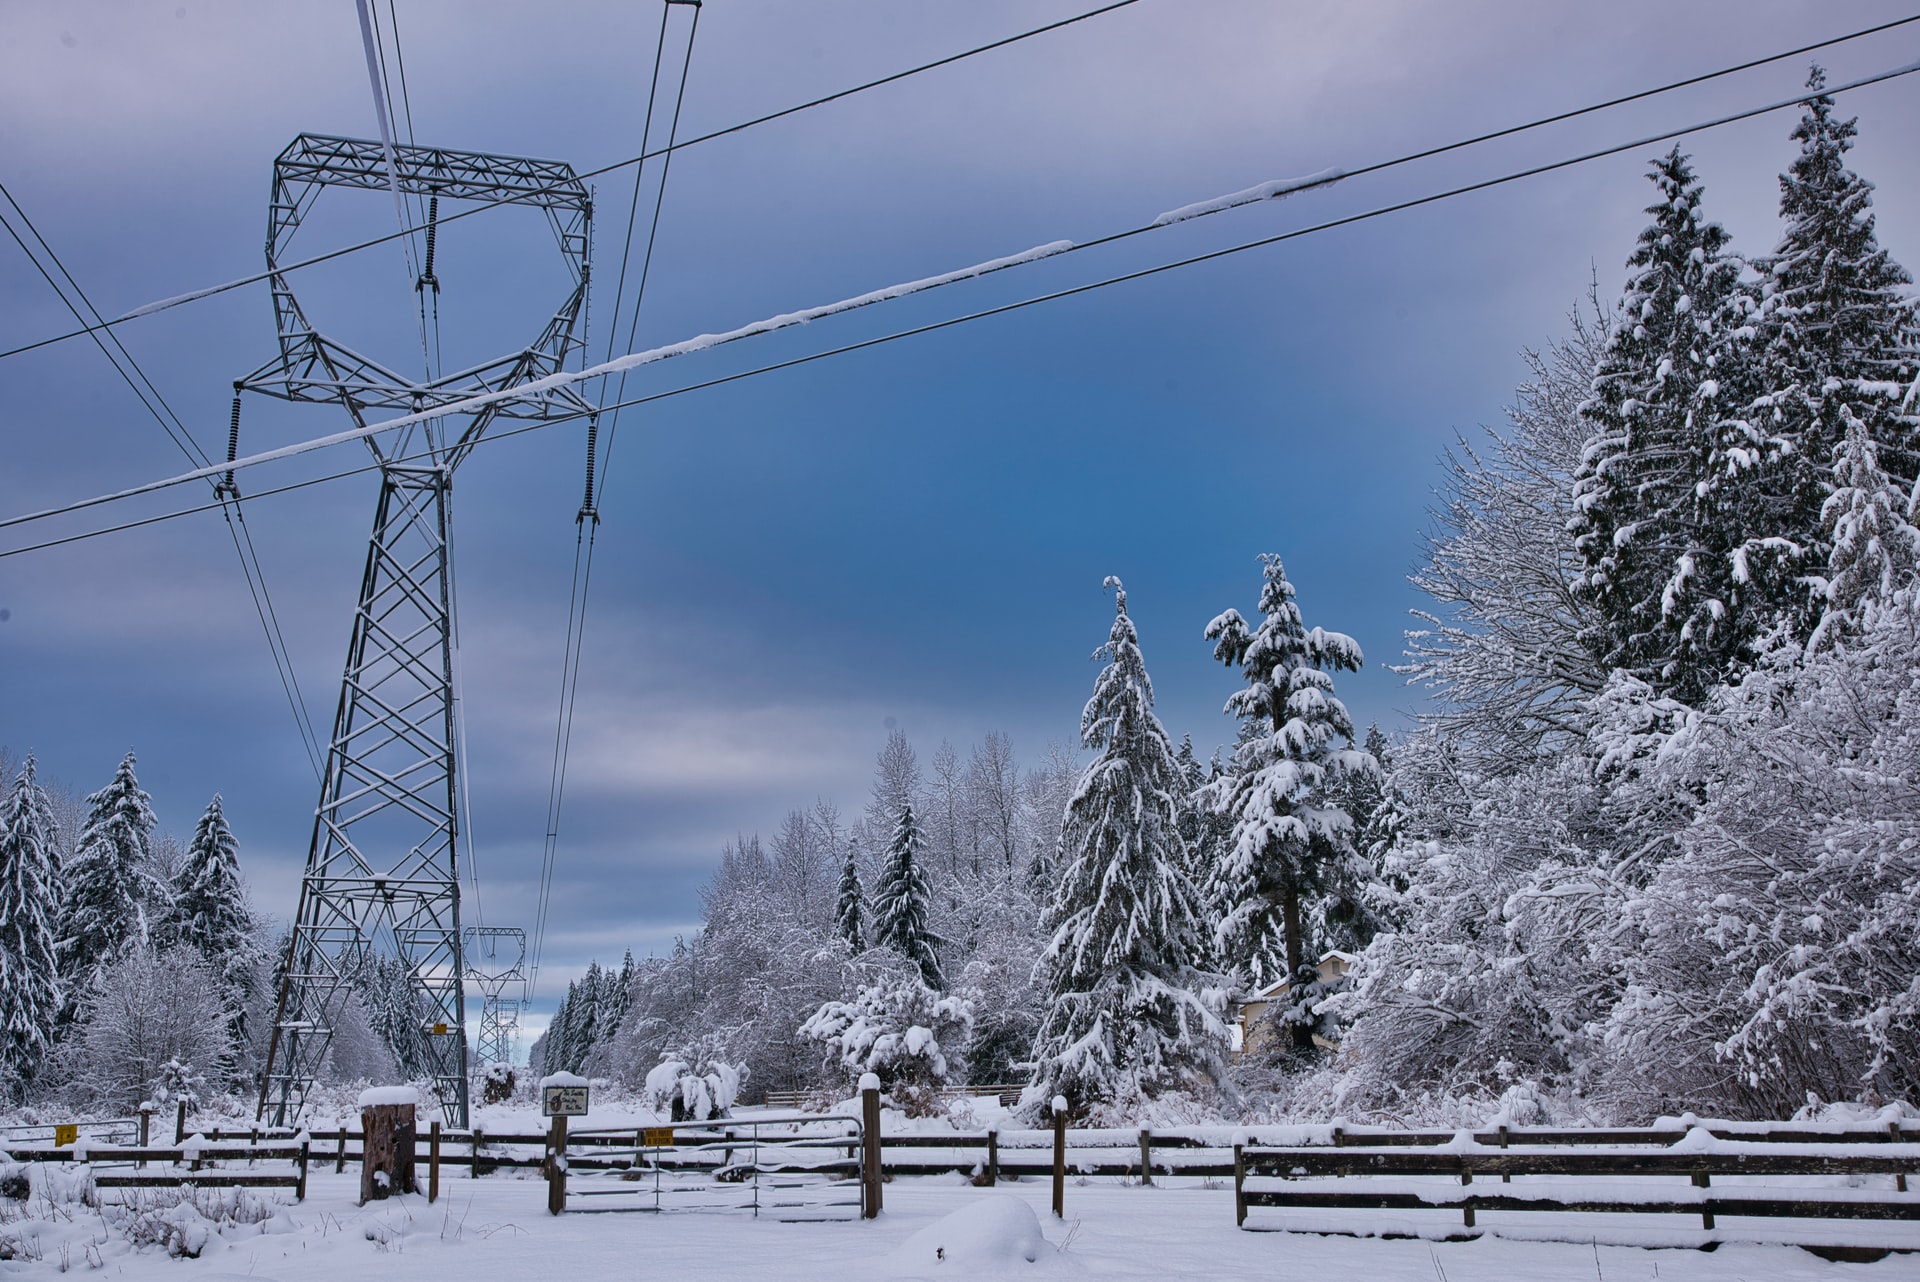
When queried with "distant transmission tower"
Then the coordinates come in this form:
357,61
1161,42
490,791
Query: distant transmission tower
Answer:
382,870
496,965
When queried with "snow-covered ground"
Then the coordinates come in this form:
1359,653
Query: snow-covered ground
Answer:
497,1227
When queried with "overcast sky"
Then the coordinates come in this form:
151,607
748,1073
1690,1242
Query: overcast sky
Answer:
914,535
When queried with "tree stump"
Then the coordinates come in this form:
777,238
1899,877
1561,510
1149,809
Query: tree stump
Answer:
386,1160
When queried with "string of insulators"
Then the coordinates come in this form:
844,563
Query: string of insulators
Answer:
587,509
433,227
233,447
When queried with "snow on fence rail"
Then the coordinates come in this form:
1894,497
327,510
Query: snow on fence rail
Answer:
1779,1174
198,1163
1195,1151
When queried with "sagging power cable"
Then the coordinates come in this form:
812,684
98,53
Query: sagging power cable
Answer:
225,491
935,326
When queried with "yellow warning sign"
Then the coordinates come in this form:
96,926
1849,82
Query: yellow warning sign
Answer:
657,1137
65,1135
439,1030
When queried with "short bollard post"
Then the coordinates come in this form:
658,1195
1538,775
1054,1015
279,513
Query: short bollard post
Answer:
1060,1157
433,1163
869,1145
557,1166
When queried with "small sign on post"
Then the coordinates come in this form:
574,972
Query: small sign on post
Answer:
563,1099
656,1137
65,1135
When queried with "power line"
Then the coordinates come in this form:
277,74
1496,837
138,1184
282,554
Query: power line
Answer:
194,296
150,398
587,523
985,313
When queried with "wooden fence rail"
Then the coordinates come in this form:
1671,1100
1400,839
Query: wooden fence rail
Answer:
193,1165
1400,1177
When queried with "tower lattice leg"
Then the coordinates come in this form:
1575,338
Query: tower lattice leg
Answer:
382,876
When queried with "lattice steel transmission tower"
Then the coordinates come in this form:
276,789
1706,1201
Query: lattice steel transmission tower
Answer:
496,965
382,872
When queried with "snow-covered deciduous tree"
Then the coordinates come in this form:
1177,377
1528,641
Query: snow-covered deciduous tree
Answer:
1128,1014
144,1009
1291,840
1648,568
112,898
901,901
29,972
1500,653
909,1035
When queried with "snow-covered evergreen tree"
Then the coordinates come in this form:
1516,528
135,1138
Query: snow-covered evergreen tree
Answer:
210,901
110,894
901,900
211,914
1876,551
850,909
1651,417
1128,1013
1291,839
29,971
1835,345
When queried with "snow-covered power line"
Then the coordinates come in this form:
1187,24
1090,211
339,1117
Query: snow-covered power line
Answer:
195,295
1052,249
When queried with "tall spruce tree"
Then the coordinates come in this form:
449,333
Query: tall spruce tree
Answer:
1834,346
1291,839
211,913
850,908
901,900
1124,1017
1650,568
29,887
111,896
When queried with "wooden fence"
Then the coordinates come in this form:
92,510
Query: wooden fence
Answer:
116,1166
1621,1171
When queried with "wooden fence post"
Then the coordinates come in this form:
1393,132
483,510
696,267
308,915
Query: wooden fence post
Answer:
1466,1178
433,1163
180,1124
1146,1156
557,1166
340,1154
300,1189
1506,1177
146,1119
1239,1187
1059,1157
473,1171
993,1157
870,1172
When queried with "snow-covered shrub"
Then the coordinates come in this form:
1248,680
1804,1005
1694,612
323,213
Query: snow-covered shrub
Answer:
694,1087
913,1038
496,1084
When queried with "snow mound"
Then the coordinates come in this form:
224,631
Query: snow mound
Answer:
995,1236
375,1096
